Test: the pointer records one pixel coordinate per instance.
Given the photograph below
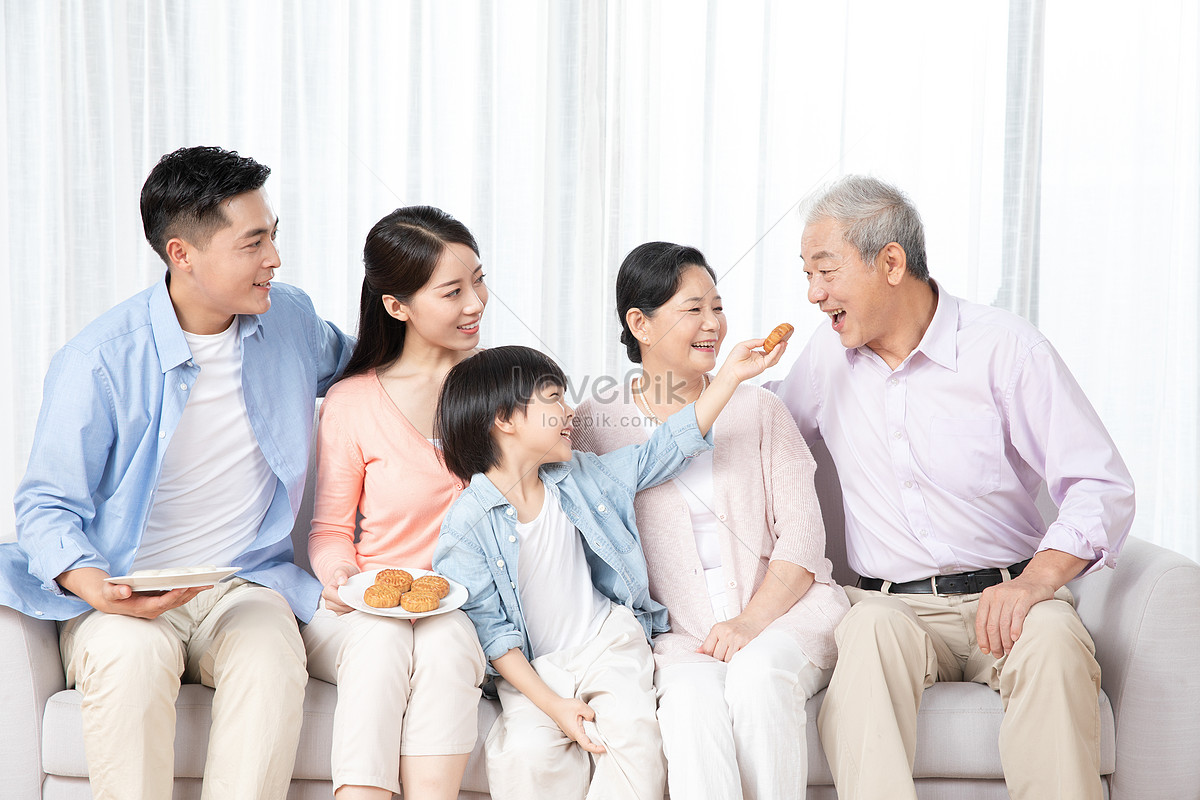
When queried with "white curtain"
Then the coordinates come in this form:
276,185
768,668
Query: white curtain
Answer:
1051,147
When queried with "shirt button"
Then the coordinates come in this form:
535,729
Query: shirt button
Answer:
897,434
908,484
923,533
512,538
733,584
183,387
513,584
894,381
40,613
499,562
601,508
190,364
510,511
721,517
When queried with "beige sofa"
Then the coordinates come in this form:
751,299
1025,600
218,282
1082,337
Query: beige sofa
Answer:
1144,616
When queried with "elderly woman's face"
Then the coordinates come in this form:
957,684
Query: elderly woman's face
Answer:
686,331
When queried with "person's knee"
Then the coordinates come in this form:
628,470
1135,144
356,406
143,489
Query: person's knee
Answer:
138,650
1053,640
873,620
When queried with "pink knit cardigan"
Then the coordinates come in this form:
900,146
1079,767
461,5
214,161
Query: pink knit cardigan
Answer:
763,495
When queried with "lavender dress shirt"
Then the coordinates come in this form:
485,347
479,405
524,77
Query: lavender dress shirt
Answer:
941,460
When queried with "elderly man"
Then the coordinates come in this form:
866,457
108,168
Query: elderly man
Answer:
943,418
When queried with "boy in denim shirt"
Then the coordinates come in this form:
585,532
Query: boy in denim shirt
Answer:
545,542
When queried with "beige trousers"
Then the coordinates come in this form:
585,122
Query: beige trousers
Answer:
528,756
738,730
404,688
892,647
238,638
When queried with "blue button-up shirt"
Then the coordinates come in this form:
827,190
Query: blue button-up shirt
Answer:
479,546
112,399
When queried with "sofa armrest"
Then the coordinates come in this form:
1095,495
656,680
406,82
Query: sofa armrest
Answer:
1144,616
30,672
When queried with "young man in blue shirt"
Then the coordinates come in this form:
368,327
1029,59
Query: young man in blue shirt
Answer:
174,433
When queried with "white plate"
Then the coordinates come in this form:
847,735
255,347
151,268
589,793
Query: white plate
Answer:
352,590
161,580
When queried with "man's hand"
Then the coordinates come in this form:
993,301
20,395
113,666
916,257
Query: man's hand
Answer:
728,637
88,584
568,714
333,601
1003,607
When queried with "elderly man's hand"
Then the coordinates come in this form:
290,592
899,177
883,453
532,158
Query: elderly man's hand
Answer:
1003,607
1002,610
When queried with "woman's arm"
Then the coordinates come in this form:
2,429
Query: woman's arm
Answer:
783,586
339,485
568,713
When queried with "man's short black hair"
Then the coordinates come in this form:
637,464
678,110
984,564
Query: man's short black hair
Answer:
496,382
182,196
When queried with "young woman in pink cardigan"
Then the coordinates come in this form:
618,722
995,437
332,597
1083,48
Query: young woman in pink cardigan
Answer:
407,691
735,546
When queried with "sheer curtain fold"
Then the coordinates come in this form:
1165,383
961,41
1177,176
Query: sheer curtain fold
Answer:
1045,143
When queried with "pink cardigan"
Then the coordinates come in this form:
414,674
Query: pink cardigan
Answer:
370,459
763,493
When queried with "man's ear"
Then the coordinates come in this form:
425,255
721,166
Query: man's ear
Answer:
395,308
179,255
894,262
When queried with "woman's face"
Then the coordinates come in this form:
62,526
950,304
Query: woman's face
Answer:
686,332
446,311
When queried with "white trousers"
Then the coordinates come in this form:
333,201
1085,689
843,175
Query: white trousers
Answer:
404,688
738,730
528,756
238,638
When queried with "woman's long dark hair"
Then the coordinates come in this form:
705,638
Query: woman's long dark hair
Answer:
400,255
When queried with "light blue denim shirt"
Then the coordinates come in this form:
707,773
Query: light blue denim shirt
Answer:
112,399
479,547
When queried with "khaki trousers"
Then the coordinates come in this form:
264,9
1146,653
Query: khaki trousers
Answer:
892,647
738,730
238,638
528,756
404,688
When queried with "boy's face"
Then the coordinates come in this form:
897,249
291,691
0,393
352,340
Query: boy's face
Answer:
545,427
232,273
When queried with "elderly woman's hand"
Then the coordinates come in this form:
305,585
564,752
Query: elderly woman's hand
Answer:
728,637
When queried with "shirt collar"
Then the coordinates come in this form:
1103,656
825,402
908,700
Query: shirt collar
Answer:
169,340
172,347
940,342
490,497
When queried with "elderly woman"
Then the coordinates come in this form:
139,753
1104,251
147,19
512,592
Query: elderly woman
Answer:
735,546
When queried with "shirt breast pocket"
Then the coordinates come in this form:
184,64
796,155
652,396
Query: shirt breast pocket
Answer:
965,455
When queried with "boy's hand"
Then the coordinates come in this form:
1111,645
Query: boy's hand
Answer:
569,713
746,361
333,600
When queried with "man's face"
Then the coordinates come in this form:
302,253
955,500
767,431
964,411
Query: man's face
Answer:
232,273
848,289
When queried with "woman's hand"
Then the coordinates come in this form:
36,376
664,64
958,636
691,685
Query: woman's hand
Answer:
333,601
568,714
728,637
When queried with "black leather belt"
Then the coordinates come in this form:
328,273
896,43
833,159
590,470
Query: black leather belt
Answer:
960,583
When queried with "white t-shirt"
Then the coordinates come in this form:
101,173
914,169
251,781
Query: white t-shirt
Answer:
215,485
695,483
562,607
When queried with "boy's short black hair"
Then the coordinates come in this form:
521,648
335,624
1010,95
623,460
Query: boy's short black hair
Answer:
183,194
492,383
